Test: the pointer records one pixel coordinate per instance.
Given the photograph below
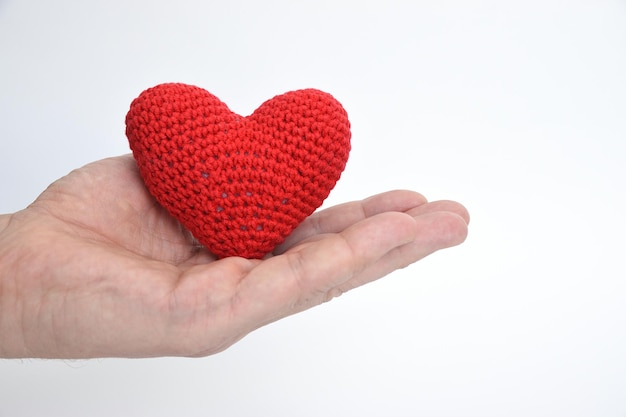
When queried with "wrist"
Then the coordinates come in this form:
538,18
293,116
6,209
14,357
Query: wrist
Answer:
4,221
9,328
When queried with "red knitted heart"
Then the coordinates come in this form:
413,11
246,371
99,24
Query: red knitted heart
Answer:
239,184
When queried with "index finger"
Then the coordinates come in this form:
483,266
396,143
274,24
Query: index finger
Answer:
337,218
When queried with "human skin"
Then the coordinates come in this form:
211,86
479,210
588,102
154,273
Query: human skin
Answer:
96,268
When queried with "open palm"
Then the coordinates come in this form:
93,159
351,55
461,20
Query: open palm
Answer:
95,267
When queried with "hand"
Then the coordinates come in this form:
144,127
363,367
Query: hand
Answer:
96,268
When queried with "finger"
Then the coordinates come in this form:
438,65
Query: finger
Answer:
441,206
436,231
337,218
313,272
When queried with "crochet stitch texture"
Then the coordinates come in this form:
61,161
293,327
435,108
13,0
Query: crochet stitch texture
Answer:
240,185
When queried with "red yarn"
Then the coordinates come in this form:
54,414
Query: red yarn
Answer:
240,185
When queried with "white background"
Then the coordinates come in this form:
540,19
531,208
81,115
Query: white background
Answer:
515,109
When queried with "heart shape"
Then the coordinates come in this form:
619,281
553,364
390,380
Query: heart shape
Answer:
240,185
